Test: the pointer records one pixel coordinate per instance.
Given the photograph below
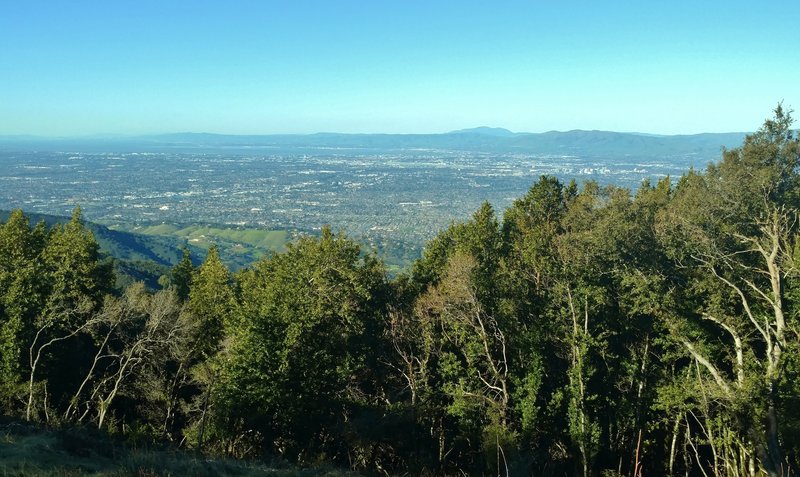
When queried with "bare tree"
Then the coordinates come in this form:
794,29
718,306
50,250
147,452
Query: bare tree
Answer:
139,331
50,333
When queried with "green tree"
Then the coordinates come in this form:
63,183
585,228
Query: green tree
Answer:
737,226
74,267
303,357
21,295
212,302
75,280
213,306
183,274
474,362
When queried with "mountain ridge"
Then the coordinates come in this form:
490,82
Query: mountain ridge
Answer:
482,139
485,130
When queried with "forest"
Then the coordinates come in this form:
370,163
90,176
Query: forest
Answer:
587,330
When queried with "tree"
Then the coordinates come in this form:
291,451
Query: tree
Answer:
74,266
146,332
475,363
303,357
21,294
183,274
737,224
211,301
74,280
213,307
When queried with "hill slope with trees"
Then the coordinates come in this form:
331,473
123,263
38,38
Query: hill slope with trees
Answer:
588,330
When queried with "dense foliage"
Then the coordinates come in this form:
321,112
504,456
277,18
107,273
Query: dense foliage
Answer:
587,331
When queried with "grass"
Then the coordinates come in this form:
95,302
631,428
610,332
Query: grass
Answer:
241,246
29,450
161,229
204,236
238,246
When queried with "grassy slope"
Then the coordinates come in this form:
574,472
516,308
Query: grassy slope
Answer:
28,450
146,252
205,236
241,246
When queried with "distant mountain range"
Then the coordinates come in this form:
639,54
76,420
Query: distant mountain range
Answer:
481,139
487,131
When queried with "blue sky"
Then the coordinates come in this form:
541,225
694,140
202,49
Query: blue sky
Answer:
252,67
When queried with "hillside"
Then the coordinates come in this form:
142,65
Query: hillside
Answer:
122,245
145,252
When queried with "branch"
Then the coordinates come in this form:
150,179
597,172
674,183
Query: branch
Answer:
737,343
487,384
758,290
710,367
745,304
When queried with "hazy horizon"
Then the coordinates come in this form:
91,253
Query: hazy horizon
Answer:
102,135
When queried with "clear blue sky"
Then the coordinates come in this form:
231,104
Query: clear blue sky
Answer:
84,67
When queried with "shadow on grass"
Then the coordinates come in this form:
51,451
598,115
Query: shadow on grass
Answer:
31,450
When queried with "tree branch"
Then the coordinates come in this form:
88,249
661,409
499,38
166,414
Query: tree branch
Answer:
707,364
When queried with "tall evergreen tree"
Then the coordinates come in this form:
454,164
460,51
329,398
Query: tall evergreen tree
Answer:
22,295
212,301
183,274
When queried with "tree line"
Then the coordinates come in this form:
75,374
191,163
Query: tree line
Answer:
588,331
